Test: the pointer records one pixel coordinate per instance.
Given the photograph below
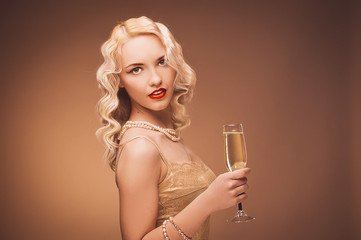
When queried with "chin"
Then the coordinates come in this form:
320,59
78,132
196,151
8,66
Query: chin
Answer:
161,107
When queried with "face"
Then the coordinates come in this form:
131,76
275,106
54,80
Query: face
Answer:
145,73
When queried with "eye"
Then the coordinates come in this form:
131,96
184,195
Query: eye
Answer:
162,62
135,70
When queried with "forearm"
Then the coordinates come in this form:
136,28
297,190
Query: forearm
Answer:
189,220
224,192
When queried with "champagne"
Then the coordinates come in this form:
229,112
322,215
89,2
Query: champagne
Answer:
235,156
235,153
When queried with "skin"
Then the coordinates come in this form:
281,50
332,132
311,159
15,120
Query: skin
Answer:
144,70
140,168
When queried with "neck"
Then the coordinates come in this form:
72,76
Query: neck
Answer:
161,118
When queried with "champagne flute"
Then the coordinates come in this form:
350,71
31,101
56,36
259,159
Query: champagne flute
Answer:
235,155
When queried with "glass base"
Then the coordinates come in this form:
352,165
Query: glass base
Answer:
240,217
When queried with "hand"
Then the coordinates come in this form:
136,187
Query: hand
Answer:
227,190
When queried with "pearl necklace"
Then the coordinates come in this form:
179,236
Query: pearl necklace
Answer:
170,133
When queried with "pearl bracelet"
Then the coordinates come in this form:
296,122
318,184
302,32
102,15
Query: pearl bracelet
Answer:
165,230
185,237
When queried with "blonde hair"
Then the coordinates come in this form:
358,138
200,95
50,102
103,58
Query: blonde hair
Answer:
114,106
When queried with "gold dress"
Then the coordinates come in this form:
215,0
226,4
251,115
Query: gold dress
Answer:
182,184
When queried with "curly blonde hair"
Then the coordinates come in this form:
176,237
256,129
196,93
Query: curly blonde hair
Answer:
114,106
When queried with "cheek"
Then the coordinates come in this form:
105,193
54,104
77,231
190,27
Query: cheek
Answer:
131,82
137,88
170,75
133,89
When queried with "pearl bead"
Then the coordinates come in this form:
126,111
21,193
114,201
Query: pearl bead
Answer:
170,133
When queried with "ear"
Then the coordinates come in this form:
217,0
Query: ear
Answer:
121,85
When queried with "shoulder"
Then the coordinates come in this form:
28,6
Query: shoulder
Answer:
140,140
138,161
140,132
139,148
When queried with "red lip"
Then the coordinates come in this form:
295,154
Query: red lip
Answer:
158,94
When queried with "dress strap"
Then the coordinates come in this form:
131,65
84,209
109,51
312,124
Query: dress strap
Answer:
141,136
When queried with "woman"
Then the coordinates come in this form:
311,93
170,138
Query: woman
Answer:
165,190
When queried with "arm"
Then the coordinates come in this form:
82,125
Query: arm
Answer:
224,192
137,176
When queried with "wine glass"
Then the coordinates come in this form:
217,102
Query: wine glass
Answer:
235,155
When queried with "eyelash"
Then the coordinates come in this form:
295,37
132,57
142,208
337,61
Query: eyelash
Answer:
133,70
162,62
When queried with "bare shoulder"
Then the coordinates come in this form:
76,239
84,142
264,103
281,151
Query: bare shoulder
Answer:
135,132
138,161
139,149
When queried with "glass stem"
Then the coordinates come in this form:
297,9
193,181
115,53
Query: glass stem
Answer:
239,206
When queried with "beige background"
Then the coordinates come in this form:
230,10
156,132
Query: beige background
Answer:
288,70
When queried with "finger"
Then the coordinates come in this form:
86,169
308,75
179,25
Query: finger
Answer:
242,193
240,173
241,189
238,182
241,197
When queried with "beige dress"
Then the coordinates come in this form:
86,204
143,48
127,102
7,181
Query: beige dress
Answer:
182,184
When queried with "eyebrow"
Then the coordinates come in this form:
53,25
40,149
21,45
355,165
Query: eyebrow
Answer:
140,64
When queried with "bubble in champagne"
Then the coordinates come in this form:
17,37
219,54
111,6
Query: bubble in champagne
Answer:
238,165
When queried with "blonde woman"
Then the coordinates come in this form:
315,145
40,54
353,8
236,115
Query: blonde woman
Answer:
165,190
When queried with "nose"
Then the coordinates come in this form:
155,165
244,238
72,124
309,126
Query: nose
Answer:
155,79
